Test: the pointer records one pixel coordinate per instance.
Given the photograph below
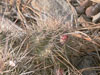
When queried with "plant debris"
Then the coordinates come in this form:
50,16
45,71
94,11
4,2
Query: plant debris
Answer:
49,37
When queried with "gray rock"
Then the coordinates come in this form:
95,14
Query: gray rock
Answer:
87,62
57,9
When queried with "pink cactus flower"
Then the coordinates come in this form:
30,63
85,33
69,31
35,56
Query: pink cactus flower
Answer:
63,39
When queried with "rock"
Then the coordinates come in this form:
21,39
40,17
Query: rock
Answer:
86,3
80,10
96,18
89,11
87,62
92,10
7,26
57,10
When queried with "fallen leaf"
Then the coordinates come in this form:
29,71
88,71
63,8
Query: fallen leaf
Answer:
84,36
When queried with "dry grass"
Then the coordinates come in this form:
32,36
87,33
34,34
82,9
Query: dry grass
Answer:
29,44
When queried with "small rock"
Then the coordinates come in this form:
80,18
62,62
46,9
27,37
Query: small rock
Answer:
92,10
86,3
80,10
96,18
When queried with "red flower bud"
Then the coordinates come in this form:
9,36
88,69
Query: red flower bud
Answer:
63,39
